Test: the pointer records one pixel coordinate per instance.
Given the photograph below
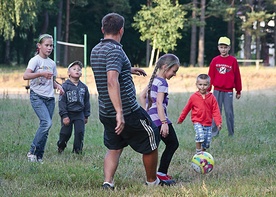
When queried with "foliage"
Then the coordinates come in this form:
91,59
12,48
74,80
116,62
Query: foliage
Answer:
160,23
218,8
14,14
252,18
21,21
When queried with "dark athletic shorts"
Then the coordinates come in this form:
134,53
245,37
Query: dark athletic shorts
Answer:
139,132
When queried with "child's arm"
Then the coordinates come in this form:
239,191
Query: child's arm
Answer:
86,106
184,112
58,86
29,74
86,102
182,116
238,81
62,106
164,131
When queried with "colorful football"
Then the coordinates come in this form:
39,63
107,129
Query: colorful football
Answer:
203,162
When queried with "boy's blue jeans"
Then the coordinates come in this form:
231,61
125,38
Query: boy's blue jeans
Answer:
44,109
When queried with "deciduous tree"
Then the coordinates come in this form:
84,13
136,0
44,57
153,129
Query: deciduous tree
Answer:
160,23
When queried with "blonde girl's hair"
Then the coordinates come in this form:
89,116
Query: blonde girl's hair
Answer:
169,60
40,41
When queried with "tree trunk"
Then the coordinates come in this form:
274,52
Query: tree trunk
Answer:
45,22
152,53
151,57
157,55
59,29
28,46
67,31
148,52
7,59
264,51
149,2
247,46
248,39
193,36
274,39
258,43
231,29
200,58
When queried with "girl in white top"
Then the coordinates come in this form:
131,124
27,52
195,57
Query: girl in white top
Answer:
42,72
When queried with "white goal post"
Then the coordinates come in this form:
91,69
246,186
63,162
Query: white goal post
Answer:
84,46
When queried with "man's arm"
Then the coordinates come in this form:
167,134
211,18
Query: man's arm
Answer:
113,87
138,71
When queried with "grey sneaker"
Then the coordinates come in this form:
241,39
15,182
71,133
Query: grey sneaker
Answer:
31,157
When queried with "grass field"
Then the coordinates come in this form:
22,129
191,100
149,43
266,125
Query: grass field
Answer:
244,164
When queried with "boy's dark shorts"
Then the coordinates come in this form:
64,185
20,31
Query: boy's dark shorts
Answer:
139,132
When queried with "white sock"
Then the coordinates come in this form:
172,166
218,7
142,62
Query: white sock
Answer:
156,182
161,174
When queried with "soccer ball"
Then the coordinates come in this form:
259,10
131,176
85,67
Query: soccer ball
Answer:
203,162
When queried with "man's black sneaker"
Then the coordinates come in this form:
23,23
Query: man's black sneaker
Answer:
60,150
167,182
107,186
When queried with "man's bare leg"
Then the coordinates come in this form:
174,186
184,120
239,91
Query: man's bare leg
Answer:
150,162
111,162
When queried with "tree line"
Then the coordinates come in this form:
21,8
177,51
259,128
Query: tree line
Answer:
188,28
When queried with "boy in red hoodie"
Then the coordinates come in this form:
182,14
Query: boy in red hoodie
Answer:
204,108
225,76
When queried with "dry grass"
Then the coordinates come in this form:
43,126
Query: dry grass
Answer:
264,78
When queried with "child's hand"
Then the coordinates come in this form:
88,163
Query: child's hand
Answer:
85,120
66,121
47,74
60,89
164,131
219,127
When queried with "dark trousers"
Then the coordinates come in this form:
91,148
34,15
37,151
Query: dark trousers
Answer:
172,144
66,132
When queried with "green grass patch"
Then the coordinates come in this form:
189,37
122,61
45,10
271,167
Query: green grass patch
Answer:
244,164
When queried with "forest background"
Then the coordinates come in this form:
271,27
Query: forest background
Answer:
189,29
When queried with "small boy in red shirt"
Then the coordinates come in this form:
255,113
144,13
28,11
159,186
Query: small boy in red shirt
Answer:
225,76
204,108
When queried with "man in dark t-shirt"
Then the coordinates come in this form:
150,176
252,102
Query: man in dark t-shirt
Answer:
125,122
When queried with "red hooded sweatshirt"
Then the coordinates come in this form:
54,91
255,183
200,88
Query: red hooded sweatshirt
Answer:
225,74
203,110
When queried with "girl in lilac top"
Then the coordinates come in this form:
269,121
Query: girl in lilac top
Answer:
158,85
154,98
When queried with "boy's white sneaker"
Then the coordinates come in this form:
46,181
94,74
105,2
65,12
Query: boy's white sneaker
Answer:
31,157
